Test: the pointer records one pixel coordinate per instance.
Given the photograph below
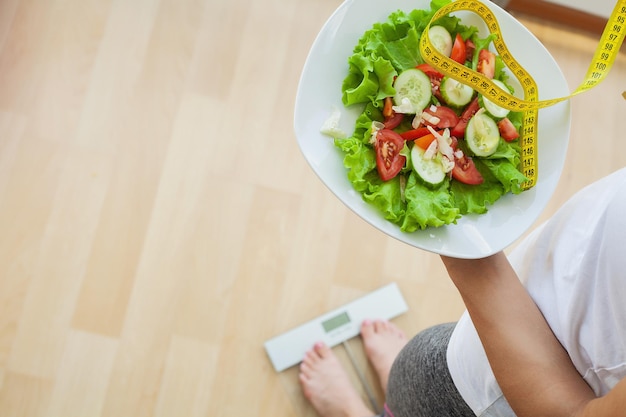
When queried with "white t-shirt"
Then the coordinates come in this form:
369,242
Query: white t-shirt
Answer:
574,267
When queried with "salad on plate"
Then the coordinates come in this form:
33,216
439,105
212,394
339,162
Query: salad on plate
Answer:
427,149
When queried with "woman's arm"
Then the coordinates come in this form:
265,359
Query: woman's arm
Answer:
533,370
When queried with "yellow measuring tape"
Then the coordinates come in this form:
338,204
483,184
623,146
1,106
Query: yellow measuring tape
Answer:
608,48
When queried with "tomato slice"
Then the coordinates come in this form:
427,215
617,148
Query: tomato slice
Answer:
507,130
459,51
459,130
393,121
486,63
465,171
453,142
430,71
470,48
447,117
435,79
389,162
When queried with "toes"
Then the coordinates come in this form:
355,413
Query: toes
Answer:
395,330
400,333
322,350
381,326
310,357
319,351
302,375
305,382
305,368
377,327
371,329
367,328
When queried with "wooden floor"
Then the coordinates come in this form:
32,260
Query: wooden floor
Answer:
158,222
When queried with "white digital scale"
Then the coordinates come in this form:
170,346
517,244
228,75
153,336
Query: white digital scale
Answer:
336,327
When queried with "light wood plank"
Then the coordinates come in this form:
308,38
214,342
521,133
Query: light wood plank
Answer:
24,395
81,383
59,265
187,379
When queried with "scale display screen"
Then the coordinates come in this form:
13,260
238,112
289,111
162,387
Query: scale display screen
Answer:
335,322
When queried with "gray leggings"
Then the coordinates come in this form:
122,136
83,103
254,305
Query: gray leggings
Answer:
420,384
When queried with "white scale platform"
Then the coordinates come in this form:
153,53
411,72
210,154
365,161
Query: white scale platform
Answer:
334,327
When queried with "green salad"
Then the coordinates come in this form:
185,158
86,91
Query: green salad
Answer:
426,149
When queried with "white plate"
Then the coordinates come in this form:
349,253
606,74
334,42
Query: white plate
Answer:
319,91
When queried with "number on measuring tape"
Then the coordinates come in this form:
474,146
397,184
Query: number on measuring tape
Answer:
608,47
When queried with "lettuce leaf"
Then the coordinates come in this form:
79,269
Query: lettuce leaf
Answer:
369,80
387,197
507,174
428,207
360,160
384,51
477,198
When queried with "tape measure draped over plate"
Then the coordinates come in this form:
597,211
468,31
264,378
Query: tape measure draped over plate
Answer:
602,61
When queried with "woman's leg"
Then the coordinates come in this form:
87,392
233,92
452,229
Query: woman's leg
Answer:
382,341
327,386
420,384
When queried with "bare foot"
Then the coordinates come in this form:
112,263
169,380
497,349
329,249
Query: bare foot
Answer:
383,341
327,385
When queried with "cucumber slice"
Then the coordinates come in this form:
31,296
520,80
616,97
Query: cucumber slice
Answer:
431,171
482,135
491,107
414,85
455,93
441,39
